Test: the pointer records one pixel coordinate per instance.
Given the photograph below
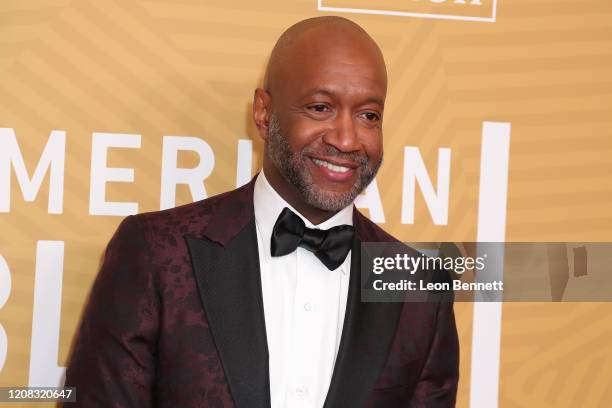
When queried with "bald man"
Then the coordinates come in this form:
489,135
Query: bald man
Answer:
251,298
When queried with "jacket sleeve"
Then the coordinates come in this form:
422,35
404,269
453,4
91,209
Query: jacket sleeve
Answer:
113,357
437,386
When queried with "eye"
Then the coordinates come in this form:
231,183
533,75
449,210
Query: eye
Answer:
319,107
371,116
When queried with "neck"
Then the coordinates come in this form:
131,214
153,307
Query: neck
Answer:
292,196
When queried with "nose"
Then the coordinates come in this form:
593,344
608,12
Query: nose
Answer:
343,134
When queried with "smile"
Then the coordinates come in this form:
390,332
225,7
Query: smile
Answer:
332,167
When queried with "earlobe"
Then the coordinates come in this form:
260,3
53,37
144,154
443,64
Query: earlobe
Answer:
261,111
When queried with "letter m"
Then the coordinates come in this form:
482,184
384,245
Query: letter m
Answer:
51,159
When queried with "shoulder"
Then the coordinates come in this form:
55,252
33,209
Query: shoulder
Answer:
370,231
194,217
218,218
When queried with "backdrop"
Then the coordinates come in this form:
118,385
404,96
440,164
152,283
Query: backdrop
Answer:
498,127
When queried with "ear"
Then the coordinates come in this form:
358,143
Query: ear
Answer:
262,103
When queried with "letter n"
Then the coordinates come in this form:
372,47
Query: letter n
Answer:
415,172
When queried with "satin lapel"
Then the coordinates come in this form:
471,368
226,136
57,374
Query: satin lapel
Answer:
369,329
229,283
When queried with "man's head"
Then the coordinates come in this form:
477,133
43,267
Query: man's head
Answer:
320,113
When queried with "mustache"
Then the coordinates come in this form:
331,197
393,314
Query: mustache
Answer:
331,151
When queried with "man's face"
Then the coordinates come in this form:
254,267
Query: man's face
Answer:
325,128
310,170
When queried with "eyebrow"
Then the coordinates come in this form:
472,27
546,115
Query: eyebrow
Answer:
331,94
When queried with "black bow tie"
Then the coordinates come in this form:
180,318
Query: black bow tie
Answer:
330,246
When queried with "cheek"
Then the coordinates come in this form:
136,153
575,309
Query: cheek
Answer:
373,146
304,133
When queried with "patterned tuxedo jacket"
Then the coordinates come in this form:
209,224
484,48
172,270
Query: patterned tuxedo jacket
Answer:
175,319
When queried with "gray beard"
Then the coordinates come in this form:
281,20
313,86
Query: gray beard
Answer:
292,166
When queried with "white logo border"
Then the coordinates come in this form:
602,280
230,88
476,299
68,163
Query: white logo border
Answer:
491,19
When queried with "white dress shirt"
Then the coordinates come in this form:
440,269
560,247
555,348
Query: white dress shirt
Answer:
304,306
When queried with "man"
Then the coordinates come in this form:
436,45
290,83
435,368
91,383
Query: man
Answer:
251,298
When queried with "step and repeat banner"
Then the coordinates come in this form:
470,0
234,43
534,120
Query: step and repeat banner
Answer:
498,127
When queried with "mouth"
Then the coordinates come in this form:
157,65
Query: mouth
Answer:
331,166
335,172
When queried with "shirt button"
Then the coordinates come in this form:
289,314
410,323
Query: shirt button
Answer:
300,392
307,306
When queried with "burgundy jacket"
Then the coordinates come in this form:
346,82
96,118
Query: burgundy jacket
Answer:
175,319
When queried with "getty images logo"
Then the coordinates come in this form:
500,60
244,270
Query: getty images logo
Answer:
466,10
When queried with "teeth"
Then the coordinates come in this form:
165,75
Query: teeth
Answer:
332,167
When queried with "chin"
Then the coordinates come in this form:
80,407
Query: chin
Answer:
327,200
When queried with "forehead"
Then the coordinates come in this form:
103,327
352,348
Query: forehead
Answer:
339,63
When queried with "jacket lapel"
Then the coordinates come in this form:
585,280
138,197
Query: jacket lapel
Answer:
226,264
367,335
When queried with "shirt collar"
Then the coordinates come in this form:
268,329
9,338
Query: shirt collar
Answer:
268,205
